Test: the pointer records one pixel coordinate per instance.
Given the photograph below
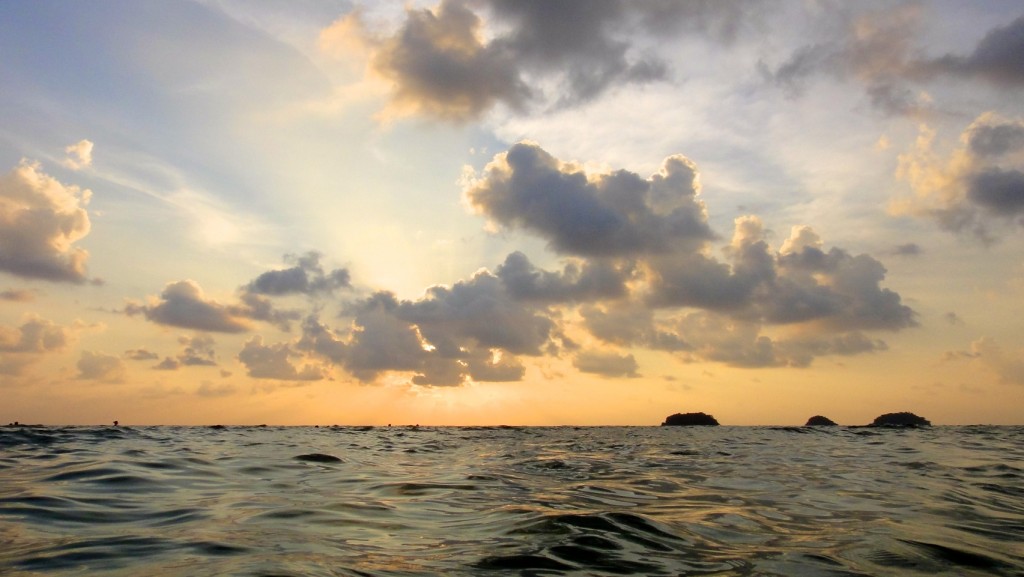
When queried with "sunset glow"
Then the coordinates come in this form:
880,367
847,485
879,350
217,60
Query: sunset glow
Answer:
483,212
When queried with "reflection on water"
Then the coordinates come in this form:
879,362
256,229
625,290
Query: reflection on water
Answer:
511,501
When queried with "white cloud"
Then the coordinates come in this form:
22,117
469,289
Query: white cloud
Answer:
79,155
40,221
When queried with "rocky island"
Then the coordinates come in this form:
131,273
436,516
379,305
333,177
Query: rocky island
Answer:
903,419
689,420
820,421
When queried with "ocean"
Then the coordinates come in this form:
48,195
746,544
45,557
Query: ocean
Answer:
587,501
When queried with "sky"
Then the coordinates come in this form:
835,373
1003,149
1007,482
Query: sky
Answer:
479,212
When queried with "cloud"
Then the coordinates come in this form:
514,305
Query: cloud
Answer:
198,351
79,155
606,364
274,362
978,189
459,59
182,304
35,335
614,214
998,58
448,335
910,249
584,281
952,318
307,277
17,295
31,342
98,366
40,220
876,48
873,47
992,137
799,284
140,355
210,390
168,364
438,64
473,330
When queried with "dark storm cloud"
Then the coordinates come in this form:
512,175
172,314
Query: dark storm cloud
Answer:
40,220
306,277
616,214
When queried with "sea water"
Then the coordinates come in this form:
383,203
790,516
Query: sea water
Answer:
396,501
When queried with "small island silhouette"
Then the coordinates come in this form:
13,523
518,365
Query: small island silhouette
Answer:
903,419
891,420
690,420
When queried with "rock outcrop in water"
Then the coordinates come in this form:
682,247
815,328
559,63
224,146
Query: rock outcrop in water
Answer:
903,419
820,421
689,420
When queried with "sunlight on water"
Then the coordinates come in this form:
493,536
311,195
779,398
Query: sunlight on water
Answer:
518,501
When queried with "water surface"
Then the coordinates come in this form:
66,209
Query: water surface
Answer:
361,501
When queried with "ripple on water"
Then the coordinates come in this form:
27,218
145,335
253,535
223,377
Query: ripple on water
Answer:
177,501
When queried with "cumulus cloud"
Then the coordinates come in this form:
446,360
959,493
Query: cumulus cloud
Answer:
40,220
31,341
183,304
306,277
274,361
801,283
614,214
438,63
606,364
79,155
459,59
978,189
585,281
99,366
473,330
197,350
